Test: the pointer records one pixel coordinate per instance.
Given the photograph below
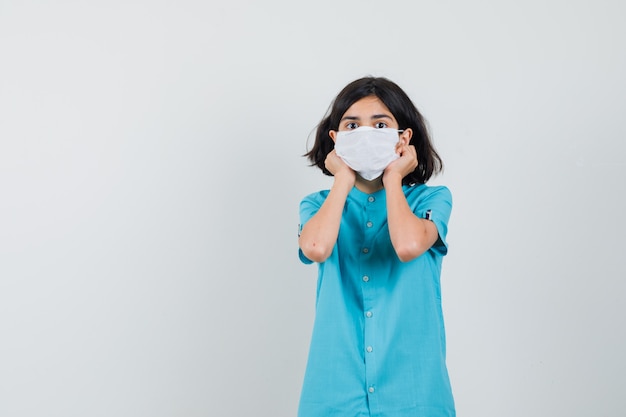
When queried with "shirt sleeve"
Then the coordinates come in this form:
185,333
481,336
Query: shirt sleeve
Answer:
308,207
436,205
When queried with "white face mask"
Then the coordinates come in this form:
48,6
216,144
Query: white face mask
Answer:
367,150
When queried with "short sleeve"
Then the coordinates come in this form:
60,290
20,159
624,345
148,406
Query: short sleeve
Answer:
435,204
308,207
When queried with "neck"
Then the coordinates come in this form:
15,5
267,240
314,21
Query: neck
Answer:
369,187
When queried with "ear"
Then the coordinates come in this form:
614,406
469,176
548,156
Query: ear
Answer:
333,135
405,137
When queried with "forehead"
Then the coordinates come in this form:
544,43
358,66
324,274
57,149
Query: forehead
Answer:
367,107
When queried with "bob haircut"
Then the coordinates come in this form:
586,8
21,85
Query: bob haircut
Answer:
403,110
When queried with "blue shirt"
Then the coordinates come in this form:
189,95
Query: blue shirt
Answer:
378,346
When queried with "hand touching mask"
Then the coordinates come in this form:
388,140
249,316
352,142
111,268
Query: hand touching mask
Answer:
367,150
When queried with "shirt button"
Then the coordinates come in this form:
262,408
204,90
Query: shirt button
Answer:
371,199
371,390
369,349
366,250
368,314
366,278
369,224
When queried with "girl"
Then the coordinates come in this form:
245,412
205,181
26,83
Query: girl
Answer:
378,235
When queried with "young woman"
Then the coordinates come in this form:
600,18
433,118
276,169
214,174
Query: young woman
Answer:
379,236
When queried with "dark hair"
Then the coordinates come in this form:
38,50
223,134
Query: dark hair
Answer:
403,110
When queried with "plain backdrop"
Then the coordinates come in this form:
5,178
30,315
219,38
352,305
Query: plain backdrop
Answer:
151,171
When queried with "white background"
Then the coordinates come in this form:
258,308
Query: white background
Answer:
151,170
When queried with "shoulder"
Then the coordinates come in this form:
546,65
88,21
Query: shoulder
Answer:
315,198
416,192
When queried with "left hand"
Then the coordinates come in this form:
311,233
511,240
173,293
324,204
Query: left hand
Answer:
404,165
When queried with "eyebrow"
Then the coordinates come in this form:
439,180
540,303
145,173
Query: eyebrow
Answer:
375,116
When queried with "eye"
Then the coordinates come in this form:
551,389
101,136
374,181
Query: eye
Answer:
352,125
380,125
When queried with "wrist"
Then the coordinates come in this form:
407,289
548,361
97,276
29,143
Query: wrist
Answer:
390,178
345,179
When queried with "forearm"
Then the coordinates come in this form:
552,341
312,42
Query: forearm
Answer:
410,235
319,234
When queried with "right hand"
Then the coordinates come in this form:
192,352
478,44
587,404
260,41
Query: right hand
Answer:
336,166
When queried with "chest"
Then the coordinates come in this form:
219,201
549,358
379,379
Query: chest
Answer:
364,234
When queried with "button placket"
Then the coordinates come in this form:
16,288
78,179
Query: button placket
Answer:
369,290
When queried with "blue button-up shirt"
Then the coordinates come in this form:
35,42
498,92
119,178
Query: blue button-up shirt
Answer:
378,344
